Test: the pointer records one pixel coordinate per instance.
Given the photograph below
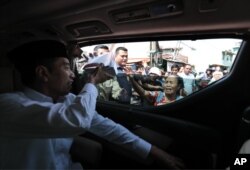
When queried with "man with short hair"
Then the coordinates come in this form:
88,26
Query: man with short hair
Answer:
109,90
121,59
188,78
100,50
175,69
38,123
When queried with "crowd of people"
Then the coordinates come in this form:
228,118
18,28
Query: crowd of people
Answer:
141,84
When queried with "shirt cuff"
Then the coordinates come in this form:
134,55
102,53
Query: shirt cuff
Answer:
143,148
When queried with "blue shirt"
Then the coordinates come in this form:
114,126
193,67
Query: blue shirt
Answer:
36,133
189,82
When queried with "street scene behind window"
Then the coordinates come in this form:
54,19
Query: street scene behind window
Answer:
156,73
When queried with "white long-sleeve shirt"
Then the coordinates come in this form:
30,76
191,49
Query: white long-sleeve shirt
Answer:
36,133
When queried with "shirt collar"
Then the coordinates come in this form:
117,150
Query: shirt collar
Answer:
116,66
35,95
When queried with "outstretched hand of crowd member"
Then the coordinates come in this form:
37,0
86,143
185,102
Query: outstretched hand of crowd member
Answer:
128,70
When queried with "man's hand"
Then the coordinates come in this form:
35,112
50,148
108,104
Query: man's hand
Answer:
165,160
128,70
96,73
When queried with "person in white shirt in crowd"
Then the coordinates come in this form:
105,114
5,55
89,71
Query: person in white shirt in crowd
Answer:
153,81
188,78
38,123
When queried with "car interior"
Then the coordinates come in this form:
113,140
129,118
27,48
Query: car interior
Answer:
206,128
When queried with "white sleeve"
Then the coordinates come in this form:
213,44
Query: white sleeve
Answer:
21,116
118,134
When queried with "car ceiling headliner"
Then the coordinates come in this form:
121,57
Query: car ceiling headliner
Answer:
41,17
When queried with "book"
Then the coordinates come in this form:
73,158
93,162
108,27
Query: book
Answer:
106,60
93,68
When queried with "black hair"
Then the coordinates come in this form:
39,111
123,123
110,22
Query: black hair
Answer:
101,47
187,65
120,48
209,69
175,66
180,83
30,55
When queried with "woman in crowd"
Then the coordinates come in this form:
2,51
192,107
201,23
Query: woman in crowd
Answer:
172,87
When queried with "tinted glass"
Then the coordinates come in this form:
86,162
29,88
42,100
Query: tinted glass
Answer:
160,72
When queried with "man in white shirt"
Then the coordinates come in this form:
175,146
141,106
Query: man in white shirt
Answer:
37,124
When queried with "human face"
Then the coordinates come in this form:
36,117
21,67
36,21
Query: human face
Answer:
174,71
187,69
217,75
171,85
102,51
60,78
121,58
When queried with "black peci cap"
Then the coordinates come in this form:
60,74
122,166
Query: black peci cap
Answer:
28,56
36,51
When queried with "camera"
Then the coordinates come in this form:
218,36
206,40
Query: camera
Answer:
143,78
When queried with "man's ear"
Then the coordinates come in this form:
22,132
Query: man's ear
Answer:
42,73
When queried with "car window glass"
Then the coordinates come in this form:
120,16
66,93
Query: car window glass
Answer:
156,73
